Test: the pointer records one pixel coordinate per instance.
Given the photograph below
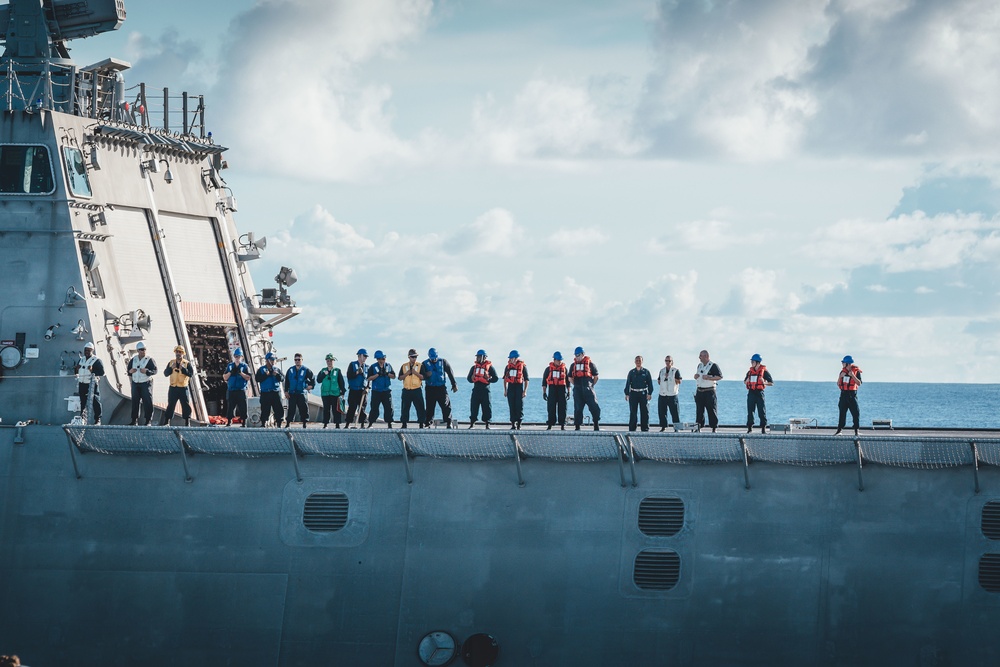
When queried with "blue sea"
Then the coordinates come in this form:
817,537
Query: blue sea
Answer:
907,404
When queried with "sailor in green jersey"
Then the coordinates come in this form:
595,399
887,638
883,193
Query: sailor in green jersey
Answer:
332,389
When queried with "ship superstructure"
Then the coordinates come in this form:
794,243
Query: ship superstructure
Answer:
116,226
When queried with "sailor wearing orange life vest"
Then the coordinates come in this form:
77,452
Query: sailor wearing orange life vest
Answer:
555,379
583,373
481,375
515,387
848,381
756,379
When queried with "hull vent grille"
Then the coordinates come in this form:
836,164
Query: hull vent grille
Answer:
325,512
989,572
991,520
661,517
657,570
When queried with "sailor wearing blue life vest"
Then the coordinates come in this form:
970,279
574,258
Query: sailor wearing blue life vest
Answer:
481,375
299,381
237,376
583,374
357,392
380,376
269,380
437,370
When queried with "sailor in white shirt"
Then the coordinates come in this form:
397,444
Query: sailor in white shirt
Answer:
89,371
141,368
706,377
670,383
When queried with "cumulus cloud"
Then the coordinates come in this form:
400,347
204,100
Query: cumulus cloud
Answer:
551,118
773,78
290,87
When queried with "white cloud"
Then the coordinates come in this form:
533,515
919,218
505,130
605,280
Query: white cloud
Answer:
290,91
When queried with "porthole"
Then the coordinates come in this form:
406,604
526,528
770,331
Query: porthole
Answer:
325,512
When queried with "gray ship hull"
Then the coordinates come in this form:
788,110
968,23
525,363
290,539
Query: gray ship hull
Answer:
127,548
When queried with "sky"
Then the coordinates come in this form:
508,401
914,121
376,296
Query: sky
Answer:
802,179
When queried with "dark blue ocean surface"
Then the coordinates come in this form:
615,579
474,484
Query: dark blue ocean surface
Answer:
905,403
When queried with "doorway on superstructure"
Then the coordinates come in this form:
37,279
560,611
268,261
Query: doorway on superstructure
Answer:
210,350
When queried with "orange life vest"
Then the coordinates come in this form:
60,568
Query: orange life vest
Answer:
557,374
514,373
481,372
581,369
755,378
845,381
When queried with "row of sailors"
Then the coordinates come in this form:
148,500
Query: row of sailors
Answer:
347,401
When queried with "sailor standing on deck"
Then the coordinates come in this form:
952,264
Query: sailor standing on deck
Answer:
583,373
89,371
756,379
515,387
638,393
331,390
555,381
706,376
299,381
180,371
269,380
380,376
848,381
670,383
237,376
140,370
481,375
357,394
437,370
411,373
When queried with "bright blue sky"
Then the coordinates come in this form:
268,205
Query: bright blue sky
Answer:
800,178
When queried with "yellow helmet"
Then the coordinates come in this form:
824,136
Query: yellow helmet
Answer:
179,348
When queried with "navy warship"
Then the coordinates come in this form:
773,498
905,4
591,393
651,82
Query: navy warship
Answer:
194,545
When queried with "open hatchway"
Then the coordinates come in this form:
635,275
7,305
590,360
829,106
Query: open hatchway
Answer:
210,344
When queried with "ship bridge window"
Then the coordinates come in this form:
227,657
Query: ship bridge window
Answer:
25,170
76,172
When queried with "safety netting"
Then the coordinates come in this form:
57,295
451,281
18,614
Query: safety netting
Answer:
353,444
812,450
567,446
988,452
917,452
475,445
685,448
124,439
237,441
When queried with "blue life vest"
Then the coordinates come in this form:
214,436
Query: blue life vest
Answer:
236,381
358,381
270,382
382,381
296,378
436,367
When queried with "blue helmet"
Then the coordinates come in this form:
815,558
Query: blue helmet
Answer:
578,350
432,353
513,354
379,354
557,355
847,360
270,356
237,352
756,357
480,353
363,351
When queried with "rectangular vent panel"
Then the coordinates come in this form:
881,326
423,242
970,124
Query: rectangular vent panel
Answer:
325,512
991,520
661,517
657,570
989,572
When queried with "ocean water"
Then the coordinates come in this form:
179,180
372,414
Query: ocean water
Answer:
905,403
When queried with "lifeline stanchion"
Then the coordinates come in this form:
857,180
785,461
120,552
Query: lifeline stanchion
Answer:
295,460
621,453
630,453
406,459
746,463
975,463
187,474
517,459
861,481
